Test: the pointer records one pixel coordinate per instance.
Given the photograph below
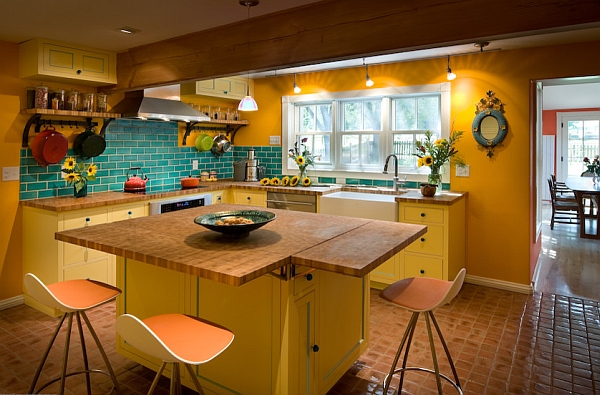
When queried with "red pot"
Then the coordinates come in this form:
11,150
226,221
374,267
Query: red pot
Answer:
49,147
189,182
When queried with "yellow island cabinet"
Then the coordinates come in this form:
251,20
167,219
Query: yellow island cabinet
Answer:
294,292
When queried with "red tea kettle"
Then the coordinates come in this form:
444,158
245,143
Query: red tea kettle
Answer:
135,183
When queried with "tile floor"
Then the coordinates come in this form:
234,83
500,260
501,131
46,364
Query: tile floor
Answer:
502,342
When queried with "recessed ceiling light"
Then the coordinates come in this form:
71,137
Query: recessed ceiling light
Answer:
129,30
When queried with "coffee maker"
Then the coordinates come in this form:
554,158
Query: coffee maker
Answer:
248,169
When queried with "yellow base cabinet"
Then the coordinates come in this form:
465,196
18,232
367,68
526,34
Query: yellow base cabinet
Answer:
440,253
46,60
294,335
54,261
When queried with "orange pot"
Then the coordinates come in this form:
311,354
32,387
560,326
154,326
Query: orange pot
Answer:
189,182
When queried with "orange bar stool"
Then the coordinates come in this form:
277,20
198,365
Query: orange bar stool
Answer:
175,338
72,297
422,295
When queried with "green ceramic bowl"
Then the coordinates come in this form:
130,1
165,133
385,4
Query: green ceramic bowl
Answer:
204,142
259,218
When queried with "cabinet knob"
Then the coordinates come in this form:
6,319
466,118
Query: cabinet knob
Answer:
422,271
315,348
309,277
248,198
87,219
422,239
129,213
422,214
78,72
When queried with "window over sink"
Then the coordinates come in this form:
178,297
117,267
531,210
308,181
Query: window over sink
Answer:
354,131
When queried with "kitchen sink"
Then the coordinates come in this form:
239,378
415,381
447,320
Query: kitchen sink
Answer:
360,205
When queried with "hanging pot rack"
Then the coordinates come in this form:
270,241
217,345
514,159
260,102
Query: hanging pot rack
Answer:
37,120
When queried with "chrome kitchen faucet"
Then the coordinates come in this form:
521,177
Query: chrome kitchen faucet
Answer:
396,178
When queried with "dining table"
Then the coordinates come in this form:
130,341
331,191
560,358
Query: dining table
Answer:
586,188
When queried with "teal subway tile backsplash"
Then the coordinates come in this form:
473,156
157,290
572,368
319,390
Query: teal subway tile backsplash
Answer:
150,145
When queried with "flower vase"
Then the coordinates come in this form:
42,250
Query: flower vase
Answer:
302,173
82,192
596,179
435,178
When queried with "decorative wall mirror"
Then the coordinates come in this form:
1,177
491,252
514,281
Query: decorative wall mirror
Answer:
489,126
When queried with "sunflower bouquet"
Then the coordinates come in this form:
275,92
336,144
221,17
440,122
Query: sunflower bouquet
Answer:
303,158
78,174
435,154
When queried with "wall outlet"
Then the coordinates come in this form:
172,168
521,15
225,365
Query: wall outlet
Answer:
462,171
275,140
195,164
10,173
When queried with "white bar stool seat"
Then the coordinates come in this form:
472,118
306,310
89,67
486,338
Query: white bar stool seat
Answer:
175,338
422,295
72,297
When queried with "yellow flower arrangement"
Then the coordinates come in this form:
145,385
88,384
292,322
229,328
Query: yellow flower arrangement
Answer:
434,154
285,181
303,158
275,181
78,174
265,181
294,181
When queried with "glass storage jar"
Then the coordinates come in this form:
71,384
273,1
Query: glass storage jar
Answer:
41,97
72,100
88,102
58,99
101,102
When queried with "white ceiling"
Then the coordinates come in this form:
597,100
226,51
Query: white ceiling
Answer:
97,24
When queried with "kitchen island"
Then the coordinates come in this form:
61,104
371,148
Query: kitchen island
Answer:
294,292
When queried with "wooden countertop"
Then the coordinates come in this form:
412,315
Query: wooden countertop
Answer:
344,245
99,199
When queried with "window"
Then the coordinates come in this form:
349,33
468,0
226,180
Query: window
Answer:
353,132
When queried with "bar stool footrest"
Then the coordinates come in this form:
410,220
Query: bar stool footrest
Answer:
75,373
427,371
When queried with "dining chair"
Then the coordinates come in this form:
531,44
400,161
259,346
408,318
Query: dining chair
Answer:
564,211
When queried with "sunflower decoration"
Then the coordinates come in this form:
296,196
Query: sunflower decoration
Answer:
78,174
275,181
265,181
306,182
435,153
303,158
294,181
285,181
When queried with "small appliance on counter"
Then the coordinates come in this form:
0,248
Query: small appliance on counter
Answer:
248,169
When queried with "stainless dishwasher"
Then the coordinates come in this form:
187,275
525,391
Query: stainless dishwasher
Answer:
292,201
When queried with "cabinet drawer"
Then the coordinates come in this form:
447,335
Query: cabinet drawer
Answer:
89,218
422,266
305,278
387,272
431,242
128,213
424,215
250,198
100,270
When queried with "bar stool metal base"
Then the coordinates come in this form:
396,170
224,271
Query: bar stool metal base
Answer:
87,370
175,388
406,340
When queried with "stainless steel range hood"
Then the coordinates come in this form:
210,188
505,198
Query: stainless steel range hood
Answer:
158,104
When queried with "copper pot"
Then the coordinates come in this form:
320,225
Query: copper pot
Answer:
189,182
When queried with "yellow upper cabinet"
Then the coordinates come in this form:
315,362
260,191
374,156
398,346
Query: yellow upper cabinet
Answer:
47,60
227,88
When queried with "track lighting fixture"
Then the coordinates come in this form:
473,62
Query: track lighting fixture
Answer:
296,87
482,45
369,81
248,103
450,75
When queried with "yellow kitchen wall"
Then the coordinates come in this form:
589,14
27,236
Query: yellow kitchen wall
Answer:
13,92
499,238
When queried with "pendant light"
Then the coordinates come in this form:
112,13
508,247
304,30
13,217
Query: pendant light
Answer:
248,103
369,81
450,75
296,87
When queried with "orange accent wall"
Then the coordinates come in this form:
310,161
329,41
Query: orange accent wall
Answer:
501,243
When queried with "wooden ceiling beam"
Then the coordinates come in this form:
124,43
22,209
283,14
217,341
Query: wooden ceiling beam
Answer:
337,30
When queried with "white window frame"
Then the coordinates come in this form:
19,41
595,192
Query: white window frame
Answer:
288,116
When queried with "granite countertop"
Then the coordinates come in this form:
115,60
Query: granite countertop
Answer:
350,246
99,199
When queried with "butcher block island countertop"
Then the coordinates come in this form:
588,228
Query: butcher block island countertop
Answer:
344,245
